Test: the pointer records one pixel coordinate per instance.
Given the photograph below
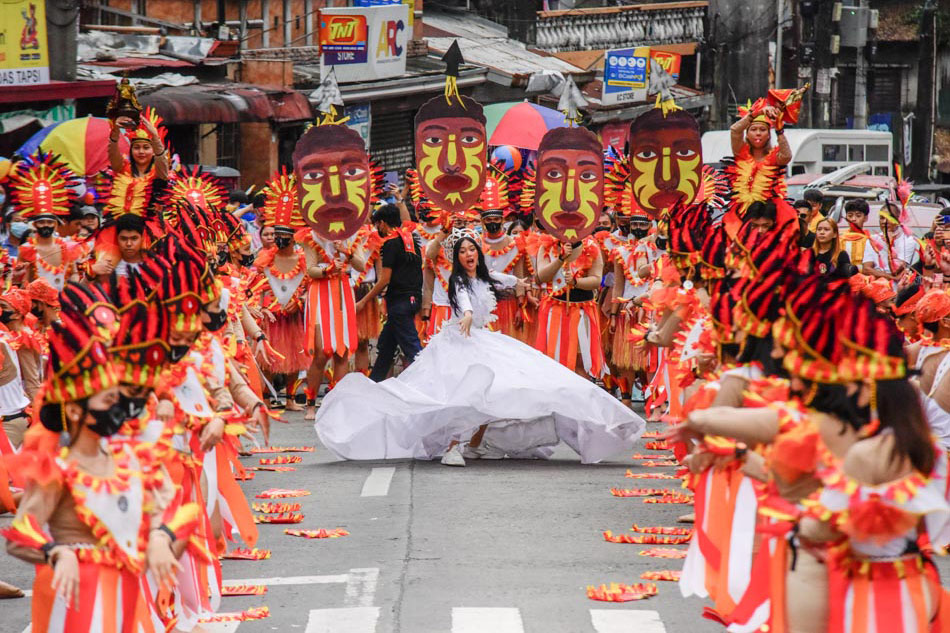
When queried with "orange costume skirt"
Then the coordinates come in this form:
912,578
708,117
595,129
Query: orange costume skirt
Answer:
111,600
566,329
369,320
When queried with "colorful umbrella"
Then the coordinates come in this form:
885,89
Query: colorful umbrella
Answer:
83,144
520,123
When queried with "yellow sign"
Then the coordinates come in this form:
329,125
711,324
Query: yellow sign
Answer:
23,55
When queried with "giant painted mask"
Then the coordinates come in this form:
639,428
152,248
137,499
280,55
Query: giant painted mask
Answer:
666,160
451,149
569,183
334,180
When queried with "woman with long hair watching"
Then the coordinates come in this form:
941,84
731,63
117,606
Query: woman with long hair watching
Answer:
830,258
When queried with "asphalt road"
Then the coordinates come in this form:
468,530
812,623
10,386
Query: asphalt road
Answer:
496,547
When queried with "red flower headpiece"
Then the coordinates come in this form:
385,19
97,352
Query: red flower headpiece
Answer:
41,290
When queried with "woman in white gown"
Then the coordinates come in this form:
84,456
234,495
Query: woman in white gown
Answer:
467,377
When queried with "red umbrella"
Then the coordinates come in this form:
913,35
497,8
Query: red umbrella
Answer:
520,124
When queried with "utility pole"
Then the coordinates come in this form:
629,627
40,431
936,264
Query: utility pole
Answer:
824,30
861,79
922,148
780,10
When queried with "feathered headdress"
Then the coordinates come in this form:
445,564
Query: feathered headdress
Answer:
808,328
280,203
196,188
181,290
495,195
872,347
42,187
79,364
141,345
89,301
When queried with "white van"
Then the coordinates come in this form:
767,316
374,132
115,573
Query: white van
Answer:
819,151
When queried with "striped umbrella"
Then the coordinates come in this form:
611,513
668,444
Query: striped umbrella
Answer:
80,143
520,123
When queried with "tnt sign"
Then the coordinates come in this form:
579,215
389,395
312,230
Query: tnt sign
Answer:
363,43
388,46
343,39
669,61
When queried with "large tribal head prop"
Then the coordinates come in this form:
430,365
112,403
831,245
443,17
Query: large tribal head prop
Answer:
451,144
665,160
335,179
569,183
451,152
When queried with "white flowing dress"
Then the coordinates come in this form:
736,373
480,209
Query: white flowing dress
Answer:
458,383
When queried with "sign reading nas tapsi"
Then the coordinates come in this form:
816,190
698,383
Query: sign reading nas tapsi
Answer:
23,54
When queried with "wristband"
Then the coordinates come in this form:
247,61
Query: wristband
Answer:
779,131
168,531
261,337
46,548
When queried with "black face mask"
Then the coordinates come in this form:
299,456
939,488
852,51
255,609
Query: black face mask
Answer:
639,233
247,260
6,316
624,229
282,241
177,352
107,421
218,319
37,312
45,231
493,227
222,258
132,407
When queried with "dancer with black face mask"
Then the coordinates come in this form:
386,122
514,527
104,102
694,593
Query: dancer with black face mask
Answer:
42,189
280,288
97,547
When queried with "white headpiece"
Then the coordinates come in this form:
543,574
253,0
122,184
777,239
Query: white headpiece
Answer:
458,233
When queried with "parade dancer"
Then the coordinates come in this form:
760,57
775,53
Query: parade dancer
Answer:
336,184
42,190
91,520
280,285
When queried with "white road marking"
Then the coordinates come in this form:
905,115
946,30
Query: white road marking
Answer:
347,620
361,587
480,620
377,484
624,621
289,580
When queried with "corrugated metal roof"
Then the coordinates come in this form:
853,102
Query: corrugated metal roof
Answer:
508,57
227,103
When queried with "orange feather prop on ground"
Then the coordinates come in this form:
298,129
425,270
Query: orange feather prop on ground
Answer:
672,498
247,554
664,552
281,459
675,531
641,492
619,592
274,469
321,533
272,508
243,590
632,475
283,449
283,517
645,539
665,574
280,493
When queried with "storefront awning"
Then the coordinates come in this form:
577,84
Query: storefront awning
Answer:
227,103
57,91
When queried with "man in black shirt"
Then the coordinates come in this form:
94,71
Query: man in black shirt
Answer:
401,278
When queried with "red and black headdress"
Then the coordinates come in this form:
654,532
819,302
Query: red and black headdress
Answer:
42,187
79,364
92,303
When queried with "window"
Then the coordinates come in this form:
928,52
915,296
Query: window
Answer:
228,148
798,169
877,153
828,169
833,153
855,152
882,171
